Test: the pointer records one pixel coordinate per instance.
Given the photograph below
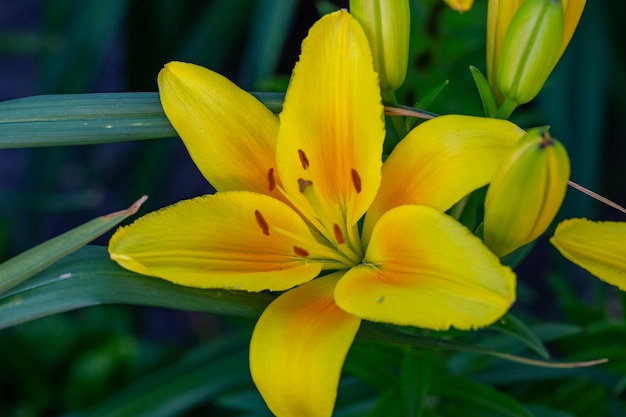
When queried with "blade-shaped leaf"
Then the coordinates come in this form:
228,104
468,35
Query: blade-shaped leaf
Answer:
486,95
374,331
512,325
80,119
87,277
200,375
472,395
27,264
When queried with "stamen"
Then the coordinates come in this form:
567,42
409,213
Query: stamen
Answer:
303,253
260,220
356,180
338,235
302,184
271,179
303,159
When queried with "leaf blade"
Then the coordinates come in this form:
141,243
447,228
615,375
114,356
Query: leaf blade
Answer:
25,265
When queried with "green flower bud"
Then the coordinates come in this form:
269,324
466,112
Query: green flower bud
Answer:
530,49
387,26
526,192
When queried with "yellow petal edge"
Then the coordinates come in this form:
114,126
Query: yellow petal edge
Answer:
598,247
424,269
232,240
298,348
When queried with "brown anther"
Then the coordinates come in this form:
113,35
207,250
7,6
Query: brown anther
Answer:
338,235
271,179
302,184
260,220
303,159
303,253
356,180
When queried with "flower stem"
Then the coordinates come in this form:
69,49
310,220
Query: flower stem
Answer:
389,97
506,109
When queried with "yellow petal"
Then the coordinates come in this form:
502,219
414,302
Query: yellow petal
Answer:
234,240
298,348
441,161
424,269
460,6
230,135
331,132
573,11
598,247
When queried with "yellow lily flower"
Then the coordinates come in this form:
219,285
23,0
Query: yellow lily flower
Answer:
598,247
290,197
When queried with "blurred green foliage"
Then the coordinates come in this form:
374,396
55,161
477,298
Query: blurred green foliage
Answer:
127,361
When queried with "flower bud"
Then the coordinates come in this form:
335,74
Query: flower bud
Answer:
499,15
460,6
387,26
526,192
530,49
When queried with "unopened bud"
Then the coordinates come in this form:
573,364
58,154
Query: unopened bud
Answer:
526,192
499,16
387,26
530,50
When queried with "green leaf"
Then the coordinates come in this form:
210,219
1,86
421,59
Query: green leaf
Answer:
27,264
87,277
73,119
473,395
389,334
201,375
85,119
390,404
268,32
486,95
416,375
431,95
513,326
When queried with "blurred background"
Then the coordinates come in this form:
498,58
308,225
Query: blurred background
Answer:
80,363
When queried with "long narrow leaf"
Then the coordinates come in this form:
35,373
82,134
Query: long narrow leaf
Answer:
392,335
88,119
515,327
203,373
87,277
82,119
27,264
472,395
486,95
